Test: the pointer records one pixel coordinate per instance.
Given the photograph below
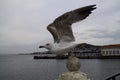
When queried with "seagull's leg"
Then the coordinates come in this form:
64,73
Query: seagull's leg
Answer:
71,54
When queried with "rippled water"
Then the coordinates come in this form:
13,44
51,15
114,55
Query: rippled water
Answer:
24,67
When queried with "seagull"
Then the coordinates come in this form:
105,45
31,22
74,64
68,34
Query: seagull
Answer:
60,28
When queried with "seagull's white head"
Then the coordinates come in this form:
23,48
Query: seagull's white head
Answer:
47,46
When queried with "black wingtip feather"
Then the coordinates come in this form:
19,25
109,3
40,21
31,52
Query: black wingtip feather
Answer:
90,7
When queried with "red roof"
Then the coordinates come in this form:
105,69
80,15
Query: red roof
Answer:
111,46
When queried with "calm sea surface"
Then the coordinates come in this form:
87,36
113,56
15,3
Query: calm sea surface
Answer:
24,67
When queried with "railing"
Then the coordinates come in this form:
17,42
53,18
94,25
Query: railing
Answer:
113,77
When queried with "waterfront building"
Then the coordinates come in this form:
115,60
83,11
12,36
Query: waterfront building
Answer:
86,54
87,50
110,50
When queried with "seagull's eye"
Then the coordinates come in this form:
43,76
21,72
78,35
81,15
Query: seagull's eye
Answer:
47,44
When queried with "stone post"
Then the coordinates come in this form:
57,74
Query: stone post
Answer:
73,66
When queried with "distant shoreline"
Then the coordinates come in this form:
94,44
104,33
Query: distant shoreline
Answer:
65,57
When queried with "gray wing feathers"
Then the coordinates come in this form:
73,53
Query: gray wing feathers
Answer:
64,31
76,15
54,33
62,25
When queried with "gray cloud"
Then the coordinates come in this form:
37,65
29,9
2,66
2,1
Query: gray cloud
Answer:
105,34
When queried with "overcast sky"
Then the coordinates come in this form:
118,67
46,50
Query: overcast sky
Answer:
23,23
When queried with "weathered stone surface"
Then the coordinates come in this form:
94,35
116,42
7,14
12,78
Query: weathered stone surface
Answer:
73,66
73,76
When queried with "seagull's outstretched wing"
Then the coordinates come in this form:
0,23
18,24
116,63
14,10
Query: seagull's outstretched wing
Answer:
61,27
52,29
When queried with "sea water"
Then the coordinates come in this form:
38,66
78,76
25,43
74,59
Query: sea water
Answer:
24,67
